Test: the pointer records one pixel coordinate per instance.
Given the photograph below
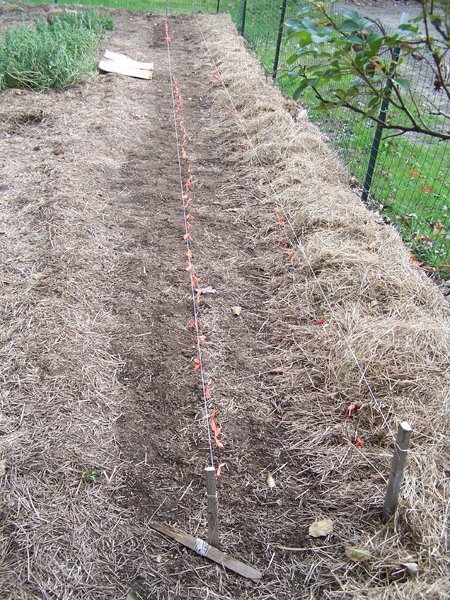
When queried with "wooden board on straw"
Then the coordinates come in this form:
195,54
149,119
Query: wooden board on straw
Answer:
114,62
204,549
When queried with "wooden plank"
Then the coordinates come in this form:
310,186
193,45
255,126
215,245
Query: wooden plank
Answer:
124,69
117,57
203,549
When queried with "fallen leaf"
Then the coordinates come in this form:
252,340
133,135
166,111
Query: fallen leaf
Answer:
414,258
280,219
236,310
414,172
40,276
438,227
321,528
359,443
192,325
427,189
357,554
270,481
195,279
196,364
208,392
216,429
412,568
279,370
220,469
2,467
320,321
205,290
51,229
352,408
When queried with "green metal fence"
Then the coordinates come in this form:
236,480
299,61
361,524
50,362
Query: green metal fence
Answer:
411,177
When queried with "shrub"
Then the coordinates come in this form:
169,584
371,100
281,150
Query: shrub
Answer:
53,55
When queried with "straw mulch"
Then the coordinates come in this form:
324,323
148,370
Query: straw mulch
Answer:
367,318
101,421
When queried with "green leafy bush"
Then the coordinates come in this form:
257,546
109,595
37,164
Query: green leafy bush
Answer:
53,55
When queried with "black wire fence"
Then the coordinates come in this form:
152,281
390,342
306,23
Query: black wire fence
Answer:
406,177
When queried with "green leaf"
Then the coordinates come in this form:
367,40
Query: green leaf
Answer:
349,25
352,14
355,39
402,82
373,102
375,41
408,27
293,24
304,84
91,476
303,37
309,24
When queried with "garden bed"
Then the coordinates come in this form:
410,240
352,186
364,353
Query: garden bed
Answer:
102,424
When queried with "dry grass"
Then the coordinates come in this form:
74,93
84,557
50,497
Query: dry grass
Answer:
63,535
385,314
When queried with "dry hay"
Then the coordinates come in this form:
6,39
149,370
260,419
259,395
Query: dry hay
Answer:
61,535
386,313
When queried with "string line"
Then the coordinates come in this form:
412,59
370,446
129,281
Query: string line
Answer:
182,155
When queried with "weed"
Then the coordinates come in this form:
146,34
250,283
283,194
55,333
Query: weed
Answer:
91,476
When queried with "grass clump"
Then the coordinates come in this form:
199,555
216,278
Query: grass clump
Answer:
53,55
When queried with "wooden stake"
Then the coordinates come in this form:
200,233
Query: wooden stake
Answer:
397,468
204,549
213,527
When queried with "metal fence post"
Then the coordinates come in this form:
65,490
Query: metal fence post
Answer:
382,120
243,13
218,6
279,37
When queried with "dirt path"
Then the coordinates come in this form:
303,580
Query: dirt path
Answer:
388,13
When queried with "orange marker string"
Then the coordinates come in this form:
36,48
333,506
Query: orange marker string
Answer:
185,187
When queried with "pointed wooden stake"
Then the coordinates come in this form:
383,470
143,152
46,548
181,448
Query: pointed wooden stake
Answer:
397,469
213,504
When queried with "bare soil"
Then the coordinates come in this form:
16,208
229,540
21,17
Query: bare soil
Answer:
102,424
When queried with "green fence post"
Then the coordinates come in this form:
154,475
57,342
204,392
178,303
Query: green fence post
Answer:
243,13
218,6
381,121
379,130
279,37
